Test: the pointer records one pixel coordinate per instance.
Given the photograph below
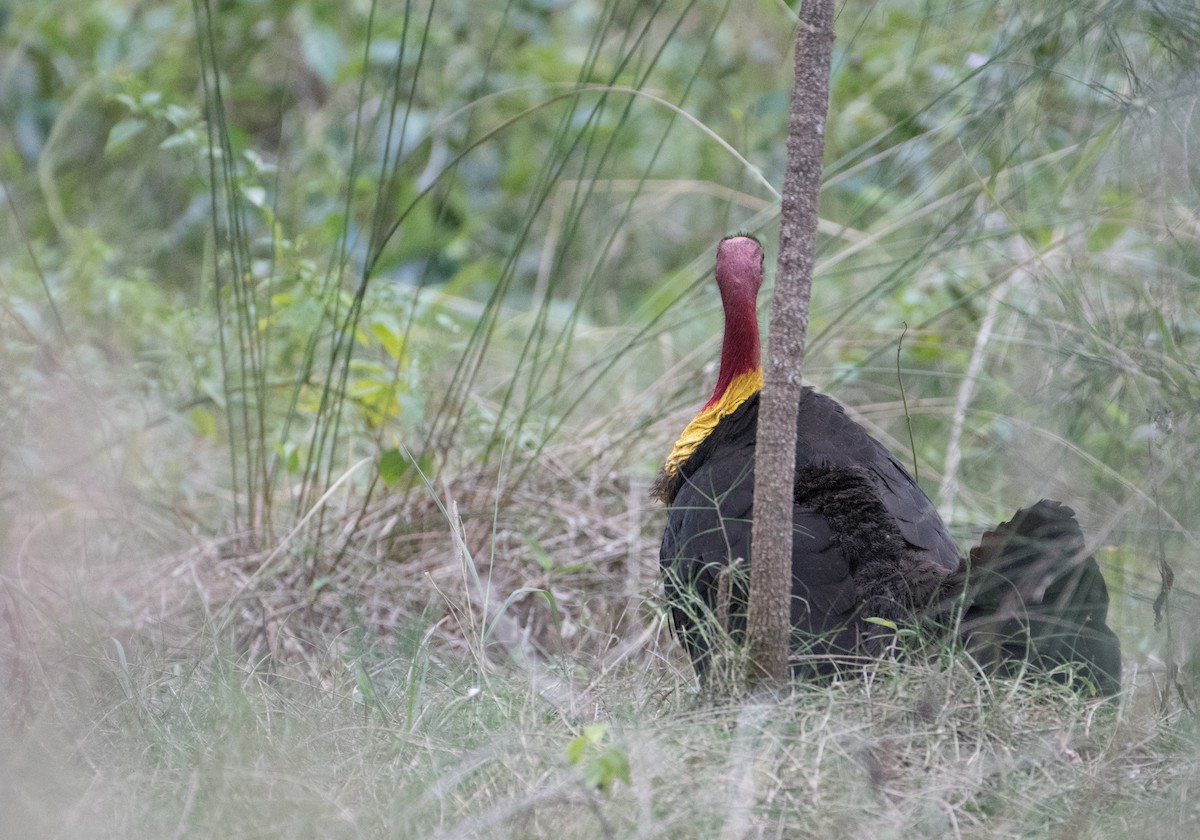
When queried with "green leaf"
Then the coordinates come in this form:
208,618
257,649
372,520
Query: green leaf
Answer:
188,137
611,765
392,343
289,455
603,763
255,195
323,51
365,685
539,554
122,133
204,422
575,749
1103,235
546,562
882,622
593,733
392,466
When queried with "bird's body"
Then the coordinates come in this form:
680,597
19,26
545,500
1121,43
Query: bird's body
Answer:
867,542
711,512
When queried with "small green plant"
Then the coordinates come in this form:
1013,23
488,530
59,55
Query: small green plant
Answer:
604,763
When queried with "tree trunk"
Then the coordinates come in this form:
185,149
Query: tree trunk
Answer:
769,623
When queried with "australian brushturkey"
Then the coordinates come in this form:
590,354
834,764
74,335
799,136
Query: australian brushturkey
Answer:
868,543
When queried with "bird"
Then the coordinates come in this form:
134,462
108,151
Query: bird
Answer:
870,552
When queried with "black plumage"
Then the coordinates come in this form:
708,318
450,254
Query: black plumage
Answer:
868,543
1036,596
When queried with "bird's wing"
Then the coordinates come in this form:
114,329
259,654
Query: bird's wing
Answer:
827,436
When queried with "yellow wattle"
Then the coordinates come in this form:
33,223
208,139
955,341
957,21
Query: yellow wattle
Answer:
743,386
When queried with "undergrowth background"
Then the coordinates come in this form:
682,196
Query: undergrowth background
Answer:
339,344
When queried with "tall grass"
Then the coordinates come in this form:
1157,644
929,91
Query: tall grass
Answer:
436,751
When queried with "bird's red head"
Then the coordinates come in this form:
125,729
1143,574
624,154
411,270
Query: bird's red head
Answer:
739,277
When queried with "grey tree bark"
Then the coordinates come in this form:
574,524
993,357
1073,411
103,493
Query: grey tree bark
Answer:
769,620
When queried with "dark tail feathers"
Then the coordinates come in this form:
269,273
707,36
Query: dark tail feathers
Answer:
1034,595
